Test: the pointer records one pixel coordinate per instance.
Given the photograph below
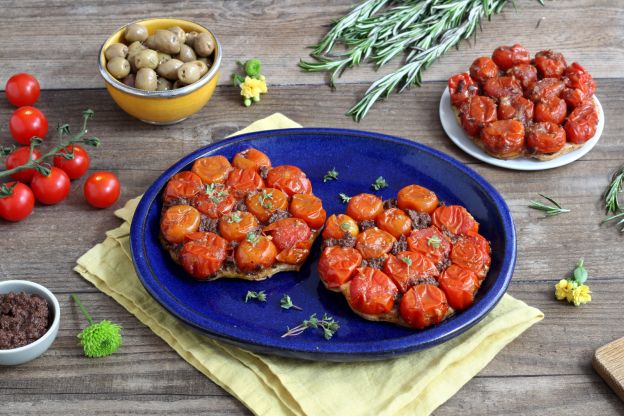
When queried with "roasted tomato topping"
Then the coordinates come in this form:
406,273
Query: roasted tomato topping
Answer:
461,87
203,254
212,169
550,64
237,224
337,225
507,56
573,97
372,292
582,123
264,203
423,305
454,219
309,208
251,159
545,137
255,253
395,222
552,109
178,221
459,285
525,74
419,198
503,138
500,87
337,265
364,207
184,185
476,113
577,77
242,182
287,232
374,243
289,179
482,69
546,88
214,201
430,242
408,268
472,252
516,108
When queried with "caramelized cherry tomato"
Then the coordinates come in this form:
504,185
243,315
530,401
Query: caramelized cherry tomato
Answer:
483,68
236,225
309,208
459,285
476,113
264,204
394,221
203,254
423,305
338,225
525,74
374,243
178,221
251,159
470,253
212,169
553,109
545,137
503,138
550,64
337,264
582,122
500,87
507,56
251,256
546,88
461,87
573,97
372,292
215,201
417,198
287,232
184,185
364,207
408,268
289,179
430,242
517,108
296,254
578,78
244,181
455,219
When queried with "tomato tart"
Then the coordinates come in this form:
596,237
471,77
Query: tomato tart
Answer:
514,105
411,261
241,219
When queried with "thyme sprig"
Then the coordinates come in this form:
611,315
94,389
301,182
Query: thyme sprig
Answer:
260,296
548,209
344,198
286,303
65,148
331,175
327,324
379,183
380,30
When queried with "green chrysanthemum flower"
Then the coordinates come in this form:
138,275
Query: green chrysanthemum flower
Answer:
98,339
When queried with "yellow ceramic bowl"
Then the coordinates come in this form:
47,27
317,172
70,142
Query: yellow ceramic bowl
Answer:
162,107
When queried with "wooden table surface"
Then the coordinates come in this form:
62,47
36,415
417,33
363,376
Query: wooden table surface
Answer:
545,371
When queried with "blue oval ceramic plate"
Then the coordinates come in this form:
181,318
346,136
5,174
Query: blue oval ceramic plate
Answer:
218,308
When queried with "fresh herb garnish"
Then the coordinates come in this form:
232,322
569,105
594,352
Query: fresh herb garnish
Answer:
265,199
406,260
344,198
434,241
259,296
252,238
328,325
331,175
286,303
345,226
611,201
379,183
234,217
548,209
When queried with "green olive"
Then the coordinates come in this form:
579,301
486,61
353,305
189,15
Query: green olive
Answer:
204,44
163,57
129,80
177,85
146,79
190,38
150,42
189,73
187,54
135,32
179,33
135,47
146,59
166,41
116,49
163,84
169,69
118,67
203,68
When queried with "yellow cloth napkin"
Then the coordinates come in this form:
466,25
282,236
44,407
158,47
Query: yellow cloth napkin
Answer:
413,384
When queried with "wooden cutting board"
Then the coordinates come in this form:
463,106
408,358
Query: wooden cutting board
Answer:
609,364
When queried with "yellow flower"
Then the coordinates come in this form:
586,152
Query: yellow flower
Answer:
581,295
562,289
251,88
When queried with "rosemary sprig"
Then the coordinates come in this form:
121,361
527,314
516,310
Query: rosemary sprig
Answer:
611,202
548,209
327,324
617,217
286,303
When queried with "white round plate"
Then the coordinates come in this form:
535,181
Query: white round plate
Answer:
457,134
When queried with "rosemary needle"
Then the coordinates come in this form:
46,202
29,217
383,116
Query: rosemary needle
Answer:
548,209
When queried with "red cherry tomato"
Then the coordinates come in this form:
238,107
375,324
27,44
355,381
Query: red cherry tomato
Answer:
525,74
503,138
18,204
19,157
472,252
455,219
203,255
51,189
517,108
483,68
476,113
423,305
507,56
553,109
461,87
546,88
102,189
582,123
545,137
182,188
364,207
337,265
550,64
289,179
499,87
28,122
408,268
577,77
22,89
372,292
309,208
287,232
459,285
430,242
77,165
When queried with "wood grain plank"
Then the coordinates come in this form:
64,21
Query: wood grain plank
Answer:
59,41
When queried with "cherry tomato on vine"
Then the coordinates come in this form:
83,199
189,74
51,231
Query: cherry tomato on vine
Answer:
75,167
16,203
28,122
51,189
19,157
22,89
102,189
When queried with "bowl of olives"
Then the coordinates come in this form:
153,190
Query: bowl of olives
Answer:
159,70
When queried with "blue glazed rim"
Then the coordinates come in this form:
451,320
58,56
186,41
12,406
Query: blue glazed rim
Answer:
330,351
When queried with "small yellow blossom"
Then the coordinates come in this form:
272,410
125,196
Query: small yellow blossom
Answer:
572,292
562,289
251,88
581,295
